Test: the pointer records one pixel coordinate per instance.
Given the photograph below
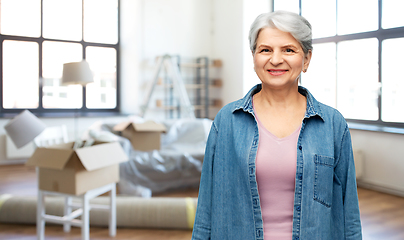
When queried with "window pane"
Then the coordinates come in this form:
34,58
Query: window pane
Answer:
101,93
393,83
20,68
55,54
287,5
20,17
320,78
62,19
356,16
357,78
323,22
101,21
392,15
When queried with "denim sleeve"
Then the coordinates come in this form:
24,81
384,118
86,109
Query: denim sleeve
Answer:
346,172
202,224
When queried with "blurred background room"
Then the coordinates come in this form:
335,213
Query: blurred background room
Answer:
176,63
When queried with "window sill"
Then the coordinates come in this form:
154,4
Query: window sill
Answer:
375,128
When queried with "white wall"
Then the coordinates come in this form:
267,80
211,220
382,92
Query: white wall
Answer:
180,27
383,160
131,54
228,45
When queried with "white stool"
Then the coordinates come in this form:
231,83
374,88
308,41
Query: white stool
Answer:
83,210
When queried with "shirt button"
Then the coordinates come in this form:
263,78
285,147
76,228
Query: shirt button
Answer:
300,147
296,238
255,142
298,208
300,176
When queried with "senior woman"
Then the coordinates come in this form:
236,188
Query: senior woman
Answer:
278,164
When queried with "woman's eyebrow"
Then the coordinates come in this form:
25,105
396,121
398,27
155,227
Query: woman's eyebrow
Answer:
289,46
284,46
263,46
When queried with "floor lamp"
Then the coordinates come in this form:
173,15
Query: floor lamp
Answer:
24,128
77,73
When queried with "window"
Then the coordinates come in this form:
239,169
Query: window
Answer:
39,36
357,57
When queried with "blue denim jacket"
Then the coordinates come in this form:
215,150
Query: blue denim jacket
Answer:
326,200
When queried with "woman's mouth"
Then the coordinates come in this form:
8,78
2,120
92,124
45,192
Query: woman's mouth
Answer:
276,72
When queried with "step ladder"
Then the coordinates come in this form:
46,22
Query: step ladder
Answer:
169,64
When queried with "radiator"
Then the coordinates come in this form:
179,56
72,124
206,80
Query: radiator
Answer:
359,158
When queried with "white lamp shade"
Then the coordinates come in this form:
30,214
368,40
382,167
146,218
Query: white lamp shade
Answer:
23,128
77,73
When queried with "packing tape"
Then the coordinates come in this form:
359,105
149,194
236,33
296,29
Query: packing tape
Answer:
189,202
4,198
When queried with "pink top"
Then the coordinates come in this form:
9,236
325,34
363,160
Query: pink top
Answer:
276,173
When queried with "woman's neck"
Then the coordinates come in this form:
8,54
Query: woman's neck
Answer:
279,98
280,111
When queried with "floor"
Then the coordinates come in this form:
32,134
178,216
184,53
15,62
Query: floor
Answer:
382,214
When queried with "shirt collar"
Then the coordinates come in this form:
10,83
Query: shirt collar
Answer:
313,107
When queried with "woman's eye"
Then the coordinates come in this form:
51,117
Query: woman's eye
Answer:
265,50
290,50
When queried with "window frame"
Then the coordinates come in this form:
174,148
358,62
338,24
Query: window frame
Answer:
40,110
380,34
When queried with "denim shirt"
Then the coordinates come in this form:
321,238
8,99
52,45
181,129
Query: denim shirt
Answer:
325,201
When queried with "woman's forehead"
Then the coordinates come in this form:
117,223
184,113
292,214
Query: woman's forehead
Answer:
270,36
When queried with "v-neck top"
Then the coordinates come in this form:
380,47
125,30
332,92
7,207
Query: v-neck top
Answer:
276,173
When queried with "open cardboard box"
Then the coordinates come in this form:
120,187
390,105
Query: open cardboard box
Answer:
143,136
75,171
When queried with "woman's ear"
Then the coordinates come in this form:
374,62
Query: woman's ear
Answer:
307,58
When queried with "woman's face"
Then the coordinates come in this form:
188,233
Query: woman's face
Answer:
279,59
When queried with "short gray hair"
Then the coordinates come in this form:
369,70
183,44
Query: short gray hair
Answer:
285,21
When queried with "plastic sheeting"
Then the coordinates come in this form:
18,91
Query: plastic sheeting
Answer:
176,165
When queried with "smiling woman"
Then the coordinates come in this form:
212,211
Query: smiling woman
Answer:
278,164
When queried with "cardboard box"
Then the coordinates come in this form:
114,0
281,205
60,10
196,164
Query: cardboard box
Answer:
143,136
63,169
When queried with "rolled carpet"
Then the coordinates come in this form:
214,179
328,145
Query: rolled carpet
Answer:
168,213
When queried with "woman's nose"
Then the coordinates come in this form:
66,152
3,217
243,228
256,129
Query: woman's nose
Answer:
276,58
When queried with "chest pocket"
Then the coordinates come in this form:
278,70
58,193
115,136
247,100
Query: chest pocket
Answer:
323,179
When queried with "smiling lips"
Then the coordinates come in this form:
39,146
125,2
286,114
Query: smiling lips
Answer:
276,72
